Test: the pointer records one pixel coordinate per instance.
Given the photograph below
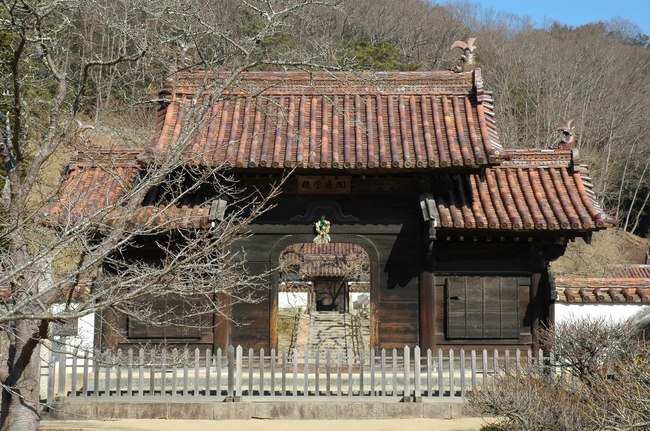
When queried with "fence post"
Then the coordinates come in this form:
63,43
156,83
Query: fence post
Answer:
51,376
62,359
186,366
107,375
163,373
305,372
372,372
485,367
462,373
84,392
129,374
452,380
317,372
273,359
429,373
328,373
174,371
251,357
407,372
231,371
362,361
441,387
473,370
284,372
417,365
141,372
152,374
219,367
197,358
73,378
338,373
118,373
261,391
394,372
239,370
208,367
383,372
350,361
294,363
95,374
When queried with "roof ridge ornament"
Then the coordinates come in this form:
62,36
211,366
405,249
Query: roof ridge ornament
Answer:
466,61
567,141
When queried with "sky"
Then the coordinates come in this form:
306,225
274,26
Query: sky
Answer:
575,12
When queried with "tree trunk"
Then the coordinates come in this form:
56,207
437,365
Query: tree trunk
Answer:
20,388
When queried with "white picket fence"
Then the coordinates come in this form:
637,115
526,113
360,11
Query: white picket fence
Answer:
237,374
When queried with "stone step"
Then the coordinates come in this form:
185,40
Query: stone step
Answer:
329,331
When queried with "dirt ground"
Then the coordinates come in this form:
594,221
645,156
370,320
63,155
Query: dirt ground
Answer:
466,424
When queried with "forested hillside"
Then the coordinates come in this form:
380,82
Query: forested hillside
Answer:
598,74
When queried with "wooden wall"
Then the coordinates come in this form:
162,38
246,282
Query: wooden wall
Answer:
408,279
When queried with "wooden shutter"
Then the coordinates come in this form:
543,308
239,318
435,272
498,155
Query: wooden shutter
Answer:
482,308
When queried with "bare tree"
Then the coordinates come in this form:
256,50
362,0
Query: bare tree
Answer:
67,62
603,385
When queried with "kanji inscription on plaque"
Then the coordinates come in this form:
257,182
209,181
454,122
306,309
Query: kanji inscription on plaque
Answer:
324,184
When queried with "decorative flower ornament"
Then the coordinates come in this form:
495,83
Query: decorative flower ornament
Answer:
323,230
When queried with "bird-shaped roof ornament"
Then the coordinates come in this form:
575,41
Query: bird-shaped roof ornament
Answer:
567,141
467,61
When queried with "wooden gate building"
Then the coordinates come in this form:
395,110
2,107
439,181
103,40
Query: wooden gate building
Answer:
409,166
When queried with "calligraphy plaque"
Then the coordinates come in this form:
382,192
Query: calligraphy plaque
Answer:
324,184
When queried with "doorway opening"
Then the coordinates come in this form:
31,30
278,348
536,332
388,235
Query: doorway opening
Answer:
324,297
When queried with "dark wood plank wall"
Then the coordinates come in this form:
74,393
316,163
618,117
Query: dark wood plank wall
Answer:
398,323
383,215
112,331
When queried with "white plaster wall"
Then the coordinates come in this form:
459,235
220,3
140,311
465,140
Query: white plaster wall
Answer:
293,299
362,300
85,337
614,313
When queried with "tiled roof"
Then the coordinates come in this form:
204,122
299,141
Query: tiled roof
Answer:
93,184
325,260
603,290
629,270
536,190
533,190
381,120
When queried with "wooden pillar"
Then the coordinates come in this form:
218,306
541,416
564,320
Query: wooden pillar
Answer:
273,310
375,291
536,312
426,299
222,322
426,285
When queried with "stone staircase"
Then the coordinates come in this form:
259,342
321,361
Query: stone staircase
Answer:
329,330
